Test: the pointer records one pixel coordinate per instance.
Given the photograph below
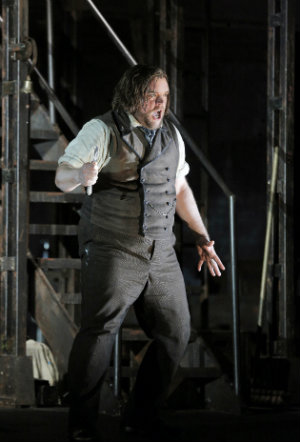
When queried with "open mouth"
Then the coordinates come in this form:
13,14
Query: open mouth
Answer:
157,115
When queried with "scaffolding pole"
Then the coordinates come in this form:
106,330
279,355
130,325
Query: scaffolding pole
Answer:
16,377
280,131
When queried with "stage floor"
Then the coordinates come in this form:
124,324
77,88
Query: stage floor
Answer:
255,424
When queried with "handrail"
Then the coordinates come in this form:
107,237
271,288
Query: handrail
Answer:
53,97
57,103
111,33
217,178
200,155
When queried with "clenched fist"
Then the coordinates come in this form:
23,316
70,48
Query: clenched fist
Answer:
88,174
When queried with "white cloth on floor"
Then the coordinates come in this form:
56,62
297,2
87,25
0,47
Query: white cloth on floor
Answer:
43,363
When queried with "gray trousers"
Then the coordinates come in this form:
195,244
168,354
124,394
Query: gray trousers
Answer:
117,272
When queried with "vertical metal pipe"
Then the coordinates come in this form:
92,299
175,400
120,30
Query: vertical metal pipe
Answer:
173,58
235,300
18,387
286,300
5,164
267,238
117,363
50,56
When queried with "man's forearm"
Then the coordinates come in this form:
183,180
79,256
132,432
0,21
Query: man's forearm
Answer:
187,209
67,177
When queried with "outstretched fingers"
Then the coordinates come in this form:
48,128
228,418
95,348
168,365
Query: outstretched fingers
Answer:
207,254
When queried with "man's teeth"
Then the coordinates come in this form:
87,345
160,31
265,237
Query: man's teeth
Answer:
157,114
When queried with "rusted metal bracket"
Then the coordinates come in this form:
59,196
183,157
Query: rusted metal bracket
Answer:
8,88
21,51
9,175
7,263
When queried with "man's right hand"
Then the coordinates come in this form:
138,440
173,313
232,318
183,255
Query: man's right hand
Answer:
68,178
88,174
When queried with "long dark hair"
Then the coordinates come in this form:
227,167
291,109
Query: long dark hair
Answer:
130,91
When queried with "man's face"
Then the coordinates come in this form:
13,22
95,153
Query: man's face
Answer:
152,110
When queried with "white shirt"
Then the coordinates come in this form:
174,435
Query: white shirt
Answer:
96,133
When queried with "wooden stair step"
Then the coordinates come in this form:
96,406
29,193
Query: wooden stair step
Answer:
59,263
43,165
53,229
71,298
55,197
43,134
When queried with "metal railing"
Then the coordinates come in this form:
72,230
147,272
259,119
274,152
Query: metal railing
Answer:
53,99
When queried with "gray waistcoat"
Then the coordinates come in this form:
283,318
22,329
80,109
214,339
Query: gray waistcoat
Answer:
135,192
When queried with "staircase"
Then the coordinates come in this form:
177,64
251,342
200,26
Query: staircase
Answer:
56,276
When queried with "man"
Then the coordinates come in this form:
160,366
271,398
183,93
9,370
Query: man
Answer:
135,160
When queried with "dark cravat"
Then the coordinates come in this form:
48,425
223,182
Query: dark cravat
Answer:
149,134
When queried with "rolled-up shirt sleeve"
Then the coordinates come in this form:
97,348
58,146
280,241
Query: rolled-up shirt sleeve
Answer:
81,149
183,167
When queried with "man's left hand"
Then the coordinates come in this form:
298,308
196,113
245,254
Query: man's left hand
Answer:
207,254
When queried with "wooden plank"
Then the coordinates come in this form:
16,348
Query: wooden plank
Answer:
43,165
59,263
53,319
55,197
43,134
71,298
53,229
